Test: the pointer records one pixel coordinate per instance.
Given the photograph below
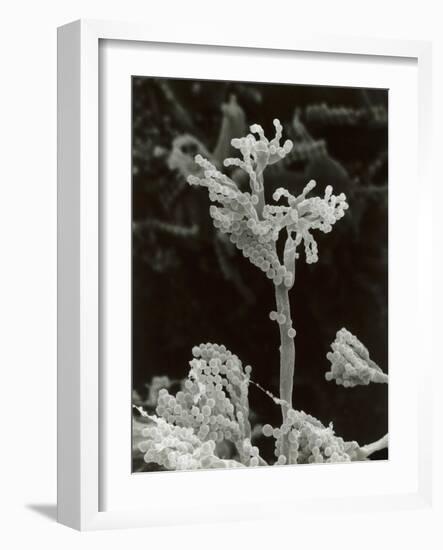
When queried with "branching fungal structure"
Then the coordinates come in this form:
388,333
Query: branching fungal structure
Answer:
192,429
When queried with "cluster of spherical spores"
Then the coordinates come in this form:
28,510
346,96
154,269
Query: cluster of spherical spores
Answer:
350,362
178,448
302,439
213,403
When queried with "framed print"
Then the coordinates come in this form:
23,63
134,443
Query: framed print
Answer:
238,231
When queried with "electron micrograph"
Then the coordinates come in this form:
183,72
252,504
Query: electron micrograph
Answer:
259,274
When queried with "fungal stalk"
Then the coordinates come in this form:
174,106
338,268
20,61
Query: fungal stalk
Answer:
255,227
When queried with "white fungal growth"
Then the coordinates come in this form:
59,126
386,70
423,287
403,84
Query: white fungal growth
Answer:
178,448
350,362
255,227
305,440
213,403
210,412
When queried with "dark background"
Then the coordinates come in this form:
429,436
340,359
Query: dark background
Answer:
189,287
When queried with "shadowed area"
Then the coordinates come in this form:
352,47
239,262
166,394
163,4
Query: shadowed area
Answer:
48,511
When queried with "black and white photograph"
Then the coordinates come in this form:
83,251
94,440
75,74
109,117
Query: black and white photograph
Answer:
259,274
221,278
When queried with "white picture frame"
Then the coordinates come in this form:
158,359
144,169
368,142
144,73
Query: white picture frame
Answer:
80,370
